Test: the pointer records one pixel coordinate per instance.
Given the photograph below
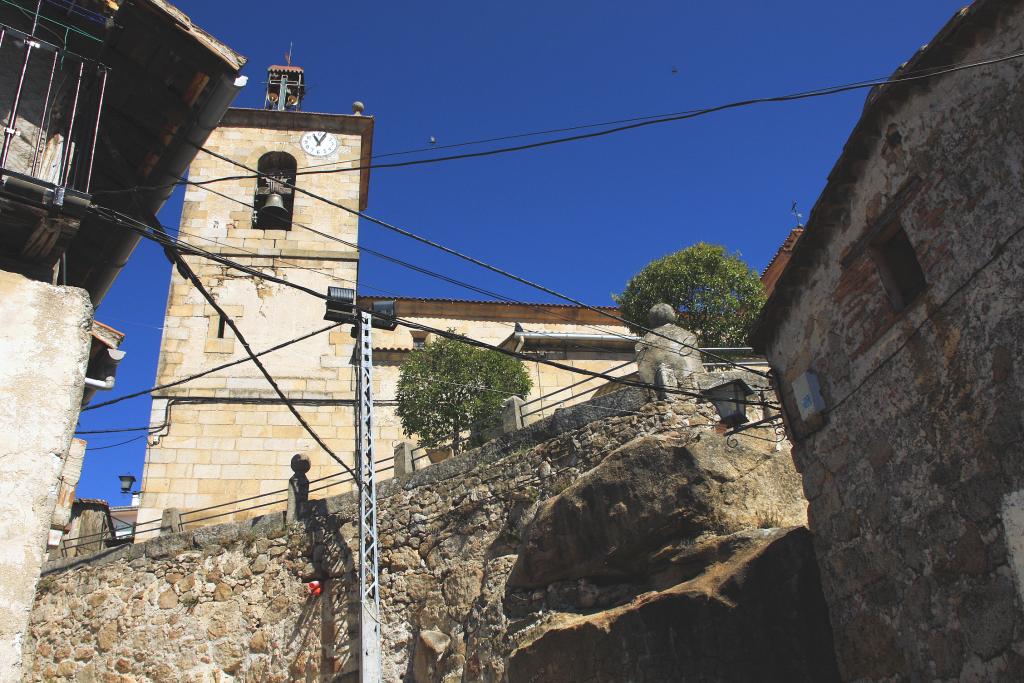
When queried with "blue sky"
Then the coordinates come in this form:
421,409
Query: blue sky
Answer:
580,217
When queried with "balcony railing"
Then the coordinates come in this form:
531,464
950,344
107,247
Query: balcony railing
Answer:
51,102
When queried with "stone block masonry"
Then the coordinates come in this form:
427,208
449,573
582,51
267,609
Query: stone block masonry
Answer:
44,347
914,474
232,600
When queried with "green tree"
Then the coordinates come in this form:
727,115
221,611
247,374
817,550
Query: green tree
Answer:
447,386
716,294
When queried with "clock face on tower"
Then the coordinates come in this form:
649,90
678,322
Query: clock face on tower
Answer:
318,143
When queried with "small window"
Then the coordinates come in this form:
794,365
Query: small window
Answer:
898,267
419,340
221,324
275,195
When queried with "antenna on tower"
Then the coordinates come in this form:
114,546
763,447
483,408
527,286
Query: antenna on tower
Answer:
796,214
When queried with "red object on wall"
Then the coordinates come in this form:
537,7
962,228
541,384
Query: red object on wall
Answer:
314,588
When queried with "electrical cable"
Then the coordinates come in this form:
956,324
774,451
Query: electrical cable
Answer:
120,430
693,114
445,278
999,250
89,449
186,271
197,375
164,238
422,270
73,29
470,259
628,123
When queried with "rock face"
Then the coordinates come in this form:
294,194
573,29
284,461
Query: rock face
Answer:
757,615
653,489
634,553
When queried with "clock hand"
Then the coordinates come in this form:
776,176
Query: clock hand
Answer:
320,140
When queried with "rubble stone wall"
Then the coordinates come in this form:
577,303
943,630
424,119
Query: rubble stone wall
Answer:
232,600
911,479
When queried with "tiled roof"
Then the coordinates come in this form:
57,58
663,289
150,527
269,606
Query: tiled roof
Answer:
787,245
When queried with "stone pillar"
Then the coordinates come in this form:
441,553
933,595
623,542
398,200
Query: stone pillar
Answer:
404,465
91,529
45,350
170,521
298,488
512,414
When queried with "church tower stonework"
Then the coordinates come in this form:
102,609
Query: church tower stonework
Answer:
227,436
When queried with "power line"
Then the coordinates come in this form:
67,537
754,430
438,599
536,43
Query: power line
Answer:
118,430
465,257
561,366
186,271
626,124
400,262
831,90
183,380
163,238
89,449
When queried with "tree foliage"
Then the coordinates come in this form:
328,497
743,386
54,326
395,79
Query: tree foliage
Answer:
717,295
447,386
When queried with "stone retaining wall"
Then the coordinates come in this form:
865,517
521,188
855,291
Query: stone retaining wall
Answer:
231,602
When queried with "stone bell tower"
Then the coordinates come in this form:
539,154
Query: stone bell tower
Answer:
227,436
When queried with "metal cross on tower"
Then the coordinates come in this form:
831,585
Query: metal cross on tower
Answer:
369,587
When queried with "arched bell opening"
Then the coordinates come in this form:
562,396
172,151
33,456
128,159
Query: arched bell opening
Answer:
274,194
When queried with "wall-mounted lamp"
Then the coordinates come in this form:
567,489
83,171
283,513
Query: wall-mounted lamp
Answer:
127,481
730,401
341,308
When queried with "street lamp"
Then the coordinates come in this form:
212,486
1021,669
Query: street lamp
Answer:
341,308
730,401
127,481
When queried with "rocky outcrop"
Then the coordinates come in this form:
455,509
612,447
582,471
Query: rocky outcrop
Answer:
615,547
757,615
664,486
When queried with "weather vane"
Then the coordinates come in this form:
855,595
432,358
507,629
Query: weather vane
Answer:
799,216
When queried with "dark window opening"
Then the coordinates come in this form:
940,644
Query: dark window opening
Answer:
274,196
221,323
898,267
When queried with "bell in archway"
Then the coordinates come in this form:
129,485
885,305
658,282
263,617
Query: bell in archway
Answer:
273,213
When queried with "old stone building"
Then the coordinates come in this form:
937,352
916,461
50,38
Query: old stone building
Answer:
97,97
227,436
895,336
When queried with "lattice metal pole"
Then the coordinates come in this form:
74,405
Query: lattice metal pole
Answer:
369,587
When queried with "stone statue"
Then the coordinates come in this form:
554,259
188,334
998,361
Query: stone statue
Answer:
668,350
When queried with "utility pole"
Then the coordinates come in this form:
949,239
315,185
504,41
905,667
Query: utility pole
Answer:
369,586
341,307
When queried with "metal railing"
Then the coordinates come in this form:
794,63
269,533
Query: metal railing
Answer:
51,113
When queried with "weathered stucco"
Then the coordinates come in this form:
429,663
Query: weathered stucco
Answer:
231,599
44,349
907,474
